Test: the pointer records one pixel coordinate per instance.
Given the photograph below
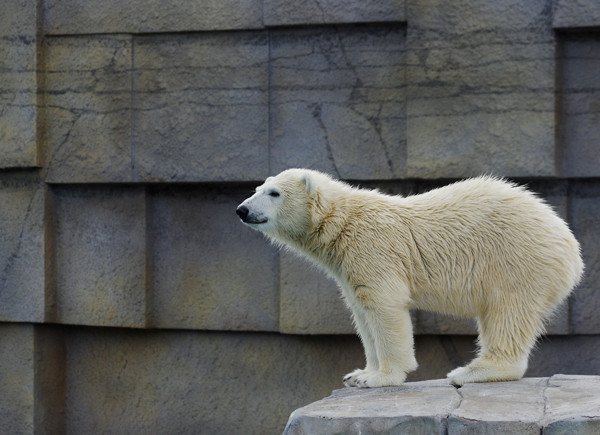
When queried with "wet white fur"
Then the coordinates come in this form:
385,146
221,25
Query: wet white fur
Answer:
481,248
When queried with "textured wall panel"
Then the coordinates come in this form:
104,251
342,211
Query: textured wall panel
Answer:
21,247
576,13
209,270
180,381
143,16
18,89
16,378
480,91
191,382
580,104
87,112
285,12
338,100
101,255
584,214
201,107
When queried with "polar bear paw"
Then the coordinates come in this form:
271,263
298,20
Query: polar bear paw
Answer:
373,379
350,379
487,373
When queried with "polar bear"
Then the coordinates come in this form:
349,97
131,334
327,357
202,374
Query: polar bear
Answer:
482,248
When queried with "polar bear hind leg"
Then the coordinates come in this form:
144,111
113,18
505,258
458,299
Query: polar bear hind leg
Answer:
506,336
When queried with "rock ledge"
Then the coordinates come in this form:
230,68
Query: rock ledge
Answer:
560,404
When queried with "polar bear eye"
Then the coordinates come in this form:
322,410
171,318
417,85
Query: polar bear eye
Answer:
274,194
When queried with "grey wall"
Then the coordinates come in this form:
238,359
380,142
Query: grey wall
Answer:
132,299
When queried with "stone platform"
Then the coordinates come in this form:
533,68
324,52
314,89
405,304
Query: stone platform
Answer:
561,404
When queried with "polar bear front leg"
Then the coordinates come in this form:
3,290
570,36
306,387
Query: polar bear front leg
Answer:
391,327
367,340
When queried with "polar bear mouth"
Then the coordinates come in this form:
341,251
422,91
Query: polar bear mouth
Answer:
255,221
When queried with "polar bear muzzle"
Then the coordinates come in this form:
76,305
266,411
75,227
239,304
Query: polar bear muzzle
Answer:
249,218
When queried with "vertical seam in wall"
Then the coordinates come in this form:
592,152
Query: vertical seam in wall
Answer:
40,83
269,121
148,259
50,257
132,109
559,153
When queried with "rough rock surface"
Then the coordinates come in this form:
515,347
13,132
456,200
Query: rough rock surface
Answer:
558,404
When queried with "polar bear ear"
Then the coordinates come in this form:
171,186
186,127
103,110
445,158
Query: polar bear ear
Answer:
307,182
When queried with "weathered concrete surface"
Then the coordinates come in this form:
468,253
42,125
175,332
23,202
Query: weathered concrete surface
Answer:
338,100
201,107
580,111
100,255
584,210
480,88
284,12
16,378
559,404
151,16
87,111
143,16
209,271
152,381
18,91
569,14
31,379
22,244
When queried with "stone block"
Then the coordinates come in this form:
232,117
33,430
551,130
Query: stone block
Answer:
134,381
338,100
580,112
87,113
480,89
501,407
201,107
584,212
100,255
569,14
419,407
311,303
22,294
149,16
17,378
209,270
18,96
559,404
566,394
283,12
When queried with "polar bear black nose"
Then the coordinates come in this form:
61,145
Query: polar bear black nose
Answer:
242,211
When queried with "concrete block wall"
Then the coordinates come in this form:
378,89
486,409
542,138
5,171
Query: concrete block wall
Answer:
131,298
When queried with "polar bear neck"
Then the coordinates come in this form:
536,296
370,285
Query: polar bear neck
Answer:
330,230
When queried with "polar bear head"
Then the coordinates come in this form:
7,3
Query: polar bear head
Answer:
282,206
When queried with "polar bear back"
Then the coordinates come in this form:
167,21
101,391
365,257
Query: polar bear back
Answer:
480,240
